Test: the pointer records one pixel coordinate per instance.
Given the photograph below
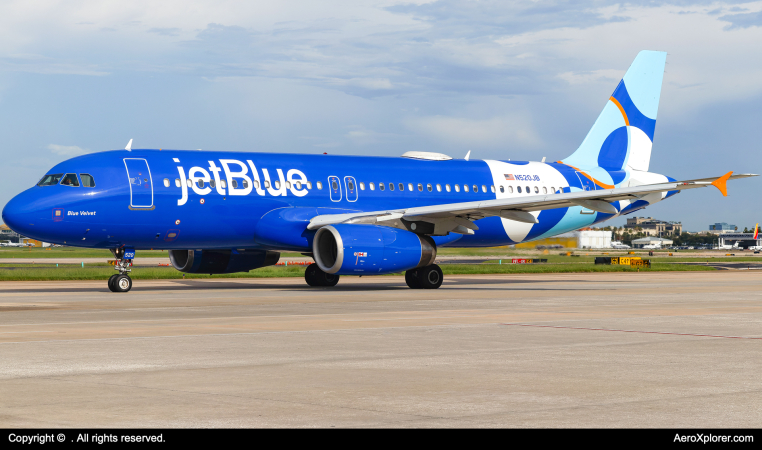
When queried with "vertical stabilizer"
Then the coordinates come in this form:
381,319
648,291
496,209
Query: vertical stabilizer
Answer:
622,136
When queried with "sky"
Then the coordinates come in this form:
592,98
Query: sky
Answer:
505,79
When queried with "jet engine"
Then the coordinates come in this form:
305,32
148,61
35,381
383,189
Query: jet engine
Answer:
350,249
221,261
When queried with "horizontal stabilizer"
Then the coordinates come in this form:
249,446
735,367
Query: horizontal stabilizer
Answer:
722,183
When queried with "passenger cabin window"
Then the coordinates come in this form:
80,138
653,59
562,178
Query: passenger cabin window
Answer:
320,185
439,187
234,183
447,187
536,190
476,189
288,185
402,187
391,186
309,185
50,179
420,187
429,188
223,183
334,185
362,185
484,188
212,183
502,189
510,189
465,188
177,182
277,184
70,179
246,183
372,186
518,189
298,184
256,184
544,190
89,181
200,183
381,186
166,181
351,186
457,188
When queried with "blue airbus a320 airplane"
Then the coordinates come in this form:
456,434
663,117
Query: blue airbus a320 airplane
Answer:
225,212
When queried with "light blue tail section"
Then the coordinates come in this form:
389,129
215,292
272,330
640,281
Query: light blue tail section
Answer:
622,137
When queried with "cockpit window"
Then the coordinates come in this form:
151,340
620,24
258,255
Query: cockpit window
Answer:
50,179
87,180
70,180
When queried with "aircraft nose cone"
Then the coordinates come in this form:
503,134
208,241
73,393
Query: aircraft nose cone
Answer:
19,214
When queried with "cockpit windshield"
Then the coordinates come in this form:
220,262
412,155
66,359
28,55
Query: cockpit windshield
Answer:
70,180
50,179
87,180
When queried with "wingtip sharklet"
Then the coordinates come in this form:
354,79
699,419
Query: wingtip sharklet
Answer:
722,183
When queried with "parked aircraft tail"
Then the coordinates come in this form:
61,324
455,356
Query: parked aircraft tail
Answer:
622,136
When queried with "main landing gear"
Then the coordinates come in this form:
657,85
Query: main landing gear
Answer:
121,282
428,277
316,277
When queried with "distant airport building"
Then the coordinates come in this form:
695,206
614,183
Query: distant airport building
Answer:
6,234
573,239
653,227
745,240
651,241
722,226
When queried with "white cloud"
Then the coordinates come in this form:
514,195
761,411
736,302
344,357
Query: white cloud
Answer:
67,150
594,76
496,132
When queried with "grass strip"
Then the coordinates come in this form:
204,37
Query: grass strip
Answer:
102,272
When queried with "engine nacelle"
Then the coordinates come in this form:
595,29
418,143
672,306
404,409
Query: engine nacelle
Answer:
347,249
221,261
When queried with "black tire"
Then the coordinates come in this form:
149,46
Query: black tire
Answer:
430,277
111,282
122,283
314,276
411,278
329,279
311,275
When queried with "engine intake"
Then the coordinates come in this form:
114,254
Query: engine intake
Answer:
348,249
221,261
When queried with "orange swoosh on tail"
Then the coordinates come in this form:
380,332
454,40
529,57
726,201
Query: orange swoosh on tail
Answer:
599,183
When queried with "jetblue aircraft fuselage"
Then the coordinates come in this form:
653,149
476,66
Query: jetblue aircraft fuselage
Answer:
166,199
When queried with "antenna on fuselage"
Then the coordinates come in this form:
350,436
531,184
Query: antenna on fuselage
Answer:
129,146
467,155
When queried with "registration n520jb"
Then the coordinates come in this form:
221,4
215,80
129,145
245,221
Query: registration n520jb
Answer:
224,212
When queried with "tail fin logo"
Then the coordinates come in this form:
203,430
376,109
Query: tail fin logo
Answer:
623,135
756,231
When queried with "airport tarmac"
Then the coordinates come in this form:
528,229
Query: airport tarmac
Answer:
663,349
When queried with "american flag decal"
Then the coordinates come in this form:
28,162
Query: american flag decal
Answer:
509,176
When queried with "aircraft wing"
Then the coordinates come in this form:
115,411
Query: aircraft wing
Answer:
459,217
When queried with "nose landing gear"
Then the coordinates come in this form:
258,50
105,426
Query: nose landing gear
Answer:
121,282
